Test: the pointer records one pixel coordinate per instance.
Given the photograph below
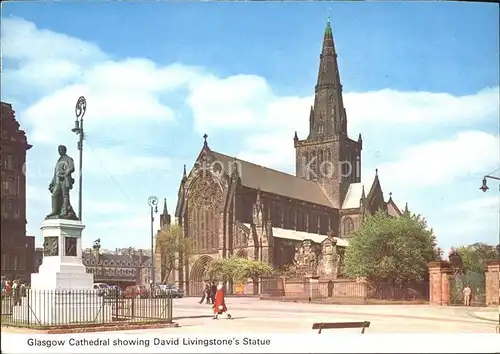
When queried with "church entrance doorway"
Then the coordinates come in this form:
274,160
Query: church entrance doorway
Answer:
199,273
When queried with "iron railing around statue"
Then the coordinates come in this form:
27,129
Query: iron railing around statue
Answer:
53,308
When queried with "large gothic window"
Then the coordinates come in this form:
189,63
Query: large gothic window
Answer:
204,198
328,167
347,226
320,163
303,164
314,165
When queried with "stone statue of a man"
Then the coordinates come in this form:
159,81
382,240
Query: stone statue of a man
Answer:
61,184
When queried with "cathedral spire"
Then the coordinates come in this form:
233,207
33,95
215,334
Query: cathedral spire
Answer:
184,174
327,118
328,59
165,216
165,210
406,211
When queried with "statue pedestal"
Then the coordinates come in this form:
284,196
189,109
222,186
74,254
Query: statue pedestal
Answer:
63,267
62,291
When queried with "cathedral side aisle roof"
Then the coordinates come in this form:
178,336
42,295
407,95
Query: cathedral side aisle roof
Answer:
302,236
276,182
353,196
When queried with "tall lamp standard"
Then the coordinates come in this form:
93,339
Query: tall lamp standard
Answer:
153,207
80,109
485,188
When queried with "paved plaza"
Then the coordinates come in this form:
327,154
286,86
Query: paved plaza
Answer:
261,316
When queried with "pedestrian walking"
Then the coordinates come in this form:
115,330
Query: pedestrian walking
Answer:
151,290
206,293
16,292
467,295
213,291
219,305
8,289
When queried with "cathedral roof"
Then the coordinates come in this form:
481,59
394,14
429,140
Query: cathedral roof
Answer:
392,207
272,181
353,196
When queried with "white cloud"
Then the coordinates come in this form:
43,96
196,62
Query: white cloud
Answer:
394,107
472,220
140,76
273,150
108,105
481,204
45,59
248,102
22,40
438,162
231,102
117,92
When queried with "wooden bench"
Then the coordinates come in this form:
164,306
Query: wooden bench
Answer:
340,325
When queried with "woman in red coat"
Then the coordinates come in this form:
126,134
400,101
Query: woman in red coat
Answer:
219,305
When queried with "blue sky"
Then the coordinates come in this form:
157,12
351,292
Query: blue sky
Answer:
420,82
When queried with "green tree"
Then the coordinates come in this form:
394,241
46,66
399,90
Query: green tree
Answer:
476,256
238,269
393,249
288,271
174,247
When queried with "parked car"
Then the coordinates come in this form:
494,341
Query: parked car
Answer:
115,291
140,291
175,291
101,288
160,290
164,290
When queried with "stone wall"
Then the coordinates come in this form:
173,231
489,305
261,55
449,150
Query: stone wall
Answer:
492,283
439,279
343,288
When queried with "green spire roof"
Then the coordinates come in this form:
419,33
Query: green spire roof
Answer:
328,29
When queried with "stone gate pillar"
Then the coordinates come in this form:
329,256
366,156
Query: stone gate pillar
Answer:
492,279
439,283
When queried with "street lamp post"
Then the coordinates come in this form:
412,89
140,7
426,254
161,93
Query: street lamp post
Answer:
80,109
153,207
485,188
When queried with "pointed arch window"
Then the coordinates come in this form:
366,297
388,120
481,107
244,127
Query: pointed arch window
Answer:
320,128
314,166
347,227
10,162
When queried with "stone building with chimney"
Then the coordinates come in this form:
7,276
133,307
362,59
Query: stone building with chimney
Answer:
122,267
227,206
18,250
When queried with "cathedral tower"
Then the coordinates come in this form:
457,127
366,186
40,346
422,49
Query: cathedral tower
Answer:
328,155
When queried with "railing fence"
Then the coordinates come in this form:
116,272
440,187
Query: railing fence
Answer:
78,307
